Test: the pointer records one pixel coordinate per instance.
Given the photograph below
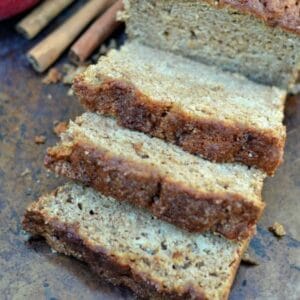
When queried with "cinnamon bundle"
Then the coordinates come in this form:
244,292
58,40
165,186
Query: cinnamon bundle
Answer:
47,51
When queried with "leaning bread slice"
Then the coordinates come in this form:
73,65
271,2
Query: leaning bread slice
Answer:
176,186
127,246
222,117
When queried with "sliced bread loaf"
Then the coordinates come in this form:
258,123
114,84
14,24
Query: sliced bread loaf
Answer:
176,186
222,117
260,39
127,246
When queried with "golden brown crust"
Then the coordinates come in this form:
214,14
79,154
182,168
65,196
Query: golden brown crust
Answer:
65,238
214,140
236,266
142,185
283,14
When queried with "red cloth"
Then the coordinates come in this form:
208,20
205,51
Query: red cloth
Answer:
9,8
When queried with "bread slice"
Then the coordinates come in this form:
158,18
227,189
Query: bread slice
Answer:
260,39
127,246
176,186
222,117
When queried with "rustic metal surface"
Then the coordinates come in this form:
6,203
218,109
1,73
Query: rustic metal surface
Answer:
28,268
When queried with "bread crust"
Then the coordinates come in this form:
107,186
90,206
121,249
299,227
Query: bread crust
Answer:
65,238
273,13
214,140
142,185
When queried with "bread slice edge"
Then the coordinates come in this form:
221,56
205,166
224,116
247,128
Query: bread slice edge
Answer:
215,140
231,214
65,238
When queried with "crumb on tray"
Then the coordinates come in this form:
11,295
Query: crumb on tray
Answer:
25,172
40,139
53,76
60,127
70,92
277,229
249,260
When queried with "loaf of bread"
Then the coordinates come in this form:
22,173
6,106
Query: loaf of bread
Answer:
260,39
178,187
221,116
128,246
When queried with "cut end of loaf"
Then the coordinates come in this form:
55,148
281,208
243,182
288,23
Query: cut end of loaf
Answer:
226,35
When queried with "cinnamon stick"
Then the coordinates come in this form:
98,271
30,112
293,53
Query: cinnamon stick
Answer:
40,17
48,50
97,33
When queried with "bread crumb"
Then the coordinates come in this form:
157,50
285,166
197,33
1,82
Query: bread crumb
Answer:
67,67
60,127
248,260
70,92
53,76
277,229
40,139
25,172
122,15
71,72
